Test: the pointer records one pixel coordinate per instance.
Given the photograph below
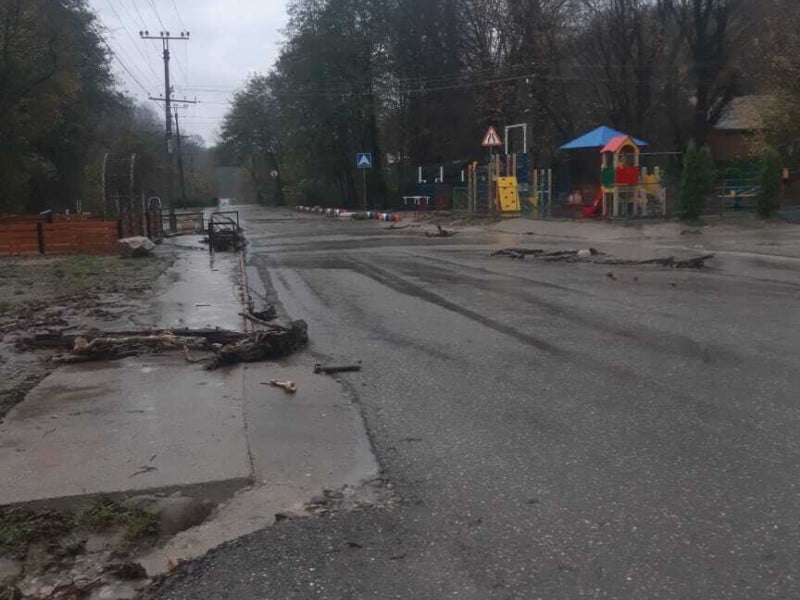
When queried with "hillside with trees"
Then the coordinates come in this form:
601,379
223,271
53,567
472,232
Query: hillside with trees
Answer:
61,111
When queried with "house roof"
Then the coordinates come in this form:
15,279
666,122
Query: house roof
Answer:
616,143
745,113
598,138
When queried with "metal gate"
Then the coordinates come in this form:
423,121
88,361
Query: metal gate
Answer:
461,199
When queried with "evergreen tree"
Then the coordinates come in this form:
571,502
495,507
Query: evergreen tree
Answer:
697,181
770,176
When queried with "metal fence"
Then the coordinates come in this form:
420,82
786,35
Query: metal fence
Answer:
191,222
461,202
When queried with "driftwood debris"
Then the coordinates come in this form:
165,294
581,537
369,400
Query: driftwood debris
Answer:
592,255
268,313
688,263
276,342
228,347
519,253
113,348
441,233
66,341
255,319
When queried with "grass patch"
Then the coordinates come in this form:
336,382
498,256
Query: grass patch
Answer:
20,527
102,512
26,280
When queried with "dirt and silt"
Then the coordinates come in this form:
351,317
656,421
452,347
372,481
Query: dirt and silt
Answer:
58,295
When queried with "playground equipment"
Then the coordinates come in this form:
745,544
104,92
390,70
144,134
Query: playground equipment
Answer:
618,186
627,189
507,194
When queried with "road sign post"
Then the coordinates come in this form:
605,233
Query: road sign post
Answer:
491,140
364,162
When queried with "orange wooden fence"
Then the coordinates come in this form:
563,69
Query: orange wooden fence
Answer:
60,237
19,239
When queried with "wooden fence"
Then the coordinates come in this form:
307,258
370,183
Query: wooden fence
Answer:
58,238
72,234
19,239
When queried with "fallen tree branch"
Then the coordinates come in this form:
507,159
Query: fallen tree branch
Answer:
67,340
275,343
189,358
114,348
254,319
592,255
509,252
670,261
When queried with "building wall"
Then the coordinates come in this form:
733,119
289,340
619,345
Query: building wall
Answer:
730,144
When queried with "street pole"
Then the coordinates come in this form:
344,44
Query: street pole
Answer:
165,38
180,157
103,179
364,201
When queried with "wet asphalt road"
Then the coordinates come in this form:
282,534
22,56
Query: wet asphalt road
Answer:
551,432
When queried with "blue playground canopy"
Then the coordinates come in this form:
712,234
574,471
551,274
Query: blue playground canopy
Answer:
597,138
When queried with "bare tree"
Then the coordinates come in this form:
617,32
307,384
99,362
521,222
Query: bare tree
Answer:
713,30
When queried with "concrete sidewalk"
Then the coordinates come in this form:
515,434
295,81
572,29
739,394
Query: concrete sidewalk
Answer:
145,423
300,445
153,424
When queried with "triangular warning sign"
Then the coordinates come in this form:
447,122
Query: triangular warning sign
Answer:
491,139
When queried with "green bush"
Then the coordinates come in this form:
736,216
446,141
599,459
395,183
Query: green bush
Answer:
770,179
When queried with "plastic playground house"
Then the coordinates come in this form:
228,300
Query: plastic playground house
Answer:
605,168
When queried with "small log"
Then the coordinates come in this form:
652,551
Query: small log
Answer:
254,319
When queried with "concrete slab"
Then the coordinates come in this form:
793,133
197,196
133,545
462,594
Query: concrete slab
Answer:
313,439
300,445
138,424
199,290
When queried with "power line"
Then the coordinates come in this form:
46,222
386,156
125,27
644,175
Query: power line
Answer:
421,88
127,31
100,32
531,70
177,12
181,69
142,21
158,16
166,30
128,71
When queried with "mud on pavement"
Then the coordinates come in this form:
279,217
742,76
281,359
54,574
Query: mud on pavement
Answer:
54,295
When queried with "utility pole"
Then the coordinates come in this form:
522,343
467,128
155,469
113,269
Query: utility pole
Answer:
165,38
180,156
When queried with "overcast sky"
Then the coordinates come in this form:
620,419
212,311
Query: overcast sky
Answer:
229,40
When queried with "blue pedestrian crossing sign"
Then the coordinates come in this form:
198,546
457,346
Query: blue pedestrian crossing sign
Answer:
364,160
